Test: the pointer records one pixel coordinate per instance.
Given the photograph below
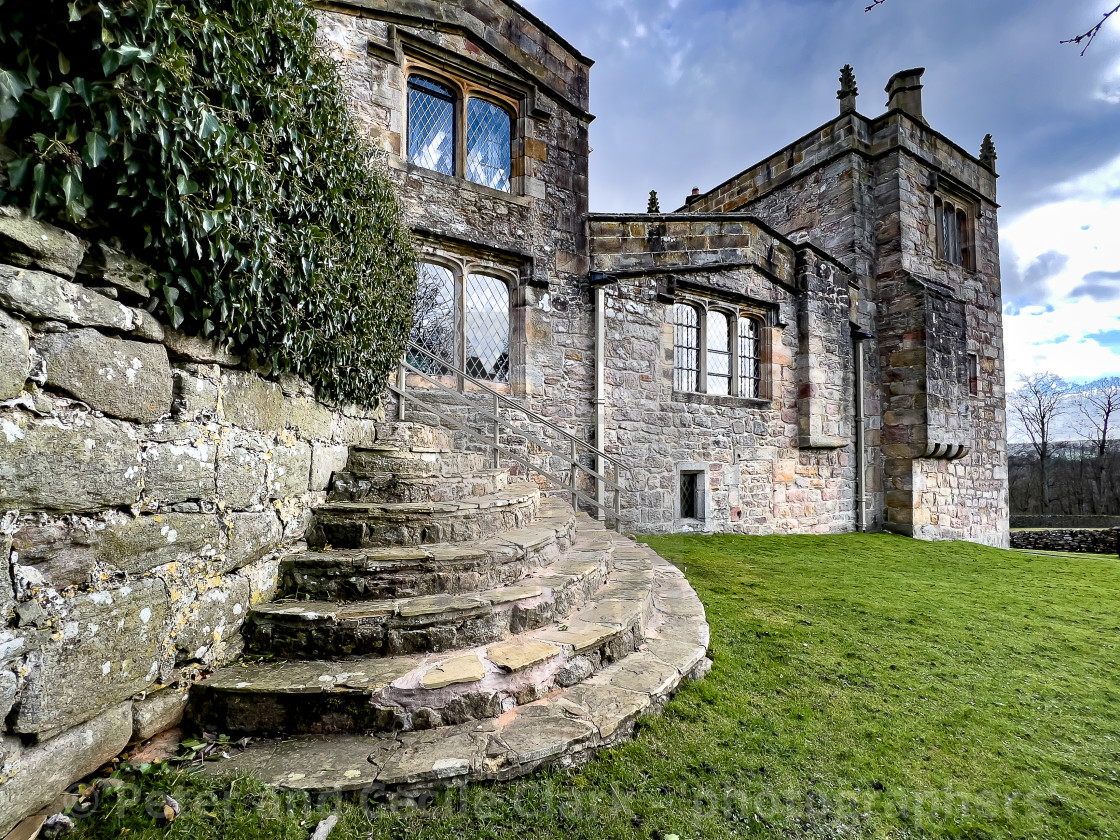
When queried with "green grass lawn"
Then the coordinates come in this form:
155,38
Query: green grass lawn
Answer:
863,686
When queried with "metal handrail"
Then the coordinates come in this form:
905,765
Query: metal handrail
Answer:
576,448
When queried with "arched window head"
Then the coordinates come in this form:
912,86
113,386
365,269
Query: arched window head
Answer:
719,353
750,358
486,328
489,152
686,348
431,125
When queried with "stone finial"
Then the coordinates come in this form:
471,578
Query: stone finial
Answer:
848,90
654,202
988,153
905,92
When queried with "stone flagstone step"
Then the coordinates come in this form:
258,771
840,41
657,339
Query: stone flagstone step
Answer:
435,623
379,573
419,692
396,487
563,728
367,525
378,461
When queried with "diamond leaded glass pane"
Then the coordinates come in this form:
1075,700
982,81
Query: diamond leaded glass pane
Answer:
486,323
750,369
431,125
719,353
488,145
686,350
433,322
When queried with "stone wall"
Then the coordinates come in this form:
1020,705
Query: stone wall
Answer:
1064,521
863,190
147,481
763,474
1089,541
534,236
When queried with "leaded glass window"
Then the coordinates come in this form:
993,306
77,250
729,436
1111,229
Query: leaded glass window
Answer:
433,322
488,144
954,234
719,353
750,358
431,125
686,354
486,328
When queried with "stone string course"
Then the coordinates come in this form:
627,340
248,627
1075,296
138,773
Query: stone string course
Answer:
147,483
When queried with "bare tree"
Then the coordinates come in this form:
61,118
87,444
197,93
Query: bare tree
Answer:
1098,404
1039,404
1087,36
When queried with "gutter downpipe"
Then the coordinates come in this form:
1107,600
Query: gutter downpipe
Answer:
600,393
858,337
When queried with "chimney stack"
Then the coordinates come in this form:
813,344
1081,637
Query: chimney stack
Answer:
905,92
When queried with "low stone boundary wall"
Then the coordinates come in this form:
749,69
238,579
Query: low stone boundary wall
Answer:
147,482
1022,520
1098,541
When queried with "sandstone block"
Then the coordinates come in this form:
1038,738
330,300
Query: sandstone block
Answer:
291,470
309,418
207,626
251,537
197,349
252,403
180,472
157,713
29,243
325,462
110,646
44,297
111,267
15,362
127,379
194,397
142,544
60,552
88,464
242,478
47,769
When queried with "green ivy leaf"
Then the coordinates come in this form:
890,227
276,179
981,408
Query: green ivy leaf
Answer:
97,148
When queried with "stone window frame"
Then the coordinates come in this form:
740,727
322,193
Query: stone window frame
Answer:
700,470
462,267
965,211
466,89
735,313
972,372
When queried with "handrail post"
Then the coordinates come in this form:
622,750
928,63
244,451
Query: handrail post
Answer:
617,499
575,473
497,434
402,383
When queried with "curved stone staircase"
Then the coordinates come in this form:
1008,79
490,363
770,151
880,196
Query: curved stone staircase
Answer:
449,624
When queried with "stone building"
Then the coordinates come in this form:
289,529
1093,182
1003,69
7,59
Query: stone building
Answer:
814,345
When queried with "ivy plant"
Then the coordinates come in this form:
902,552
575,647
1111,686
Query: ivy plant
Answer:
217,140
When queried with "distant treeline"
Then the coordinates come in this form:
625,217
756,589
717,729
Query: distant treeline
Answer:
1075,473
1070,464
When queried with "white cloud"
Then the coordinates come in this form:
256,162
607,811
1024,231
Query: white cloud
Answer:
1056,332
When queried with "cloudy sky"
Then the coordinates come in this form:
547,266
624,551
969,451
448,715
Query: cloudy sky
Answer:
690,92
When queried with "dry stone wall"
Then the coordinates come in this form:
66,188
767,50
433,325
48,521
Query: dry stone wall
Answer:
1089,541
147,481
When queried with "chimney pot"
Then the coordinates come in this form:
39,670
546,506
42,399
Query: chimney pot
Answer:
905,92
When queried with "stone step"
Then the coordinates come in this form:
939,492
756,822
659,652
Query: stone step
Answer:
364,463
436,623
382,573
375,524
413,437
398,487
416,692
563,728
